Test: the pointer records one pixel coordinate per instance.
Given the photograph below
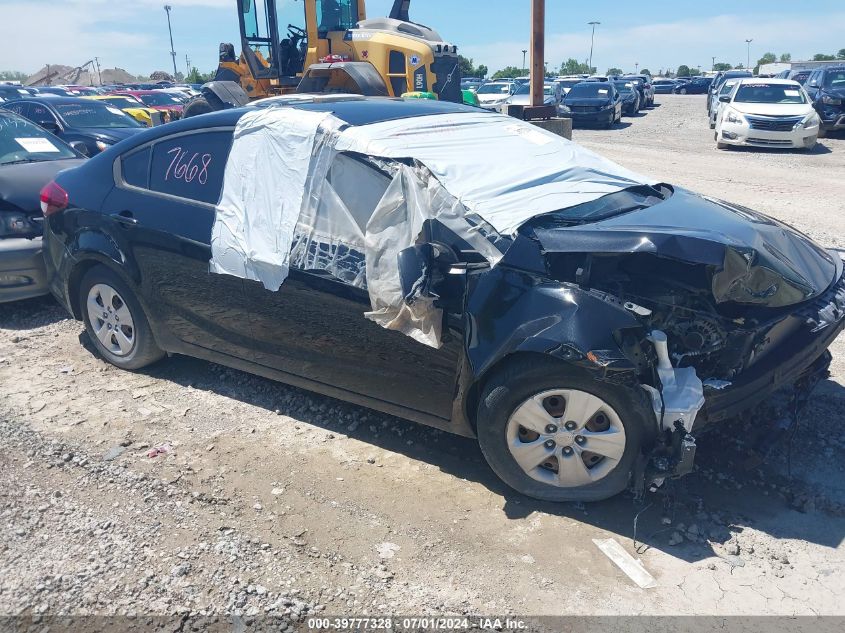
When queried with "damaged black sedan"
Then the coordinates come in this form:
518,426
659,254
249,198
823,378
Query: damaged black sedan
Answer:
456,268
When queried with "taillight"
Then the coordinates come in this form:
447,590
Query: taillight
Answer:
53,199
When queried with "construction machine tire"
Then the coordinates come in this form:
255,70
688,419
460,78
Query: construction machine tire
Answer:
196,106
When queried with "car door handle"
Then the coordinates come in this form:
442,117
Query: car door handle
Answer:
125,217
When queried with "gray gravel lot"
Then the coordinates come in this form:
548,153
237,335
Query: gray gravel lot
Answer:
265,499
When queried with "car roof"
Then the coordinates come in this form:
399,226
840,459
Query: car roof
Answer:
58,100
355,112
752,81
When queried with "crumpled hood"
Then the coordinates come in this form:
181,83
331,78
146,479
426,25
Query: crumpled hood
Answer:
773,109
20,185
753,259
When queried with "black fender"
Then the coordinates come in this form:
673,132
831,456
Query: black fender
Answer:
88,248
510,311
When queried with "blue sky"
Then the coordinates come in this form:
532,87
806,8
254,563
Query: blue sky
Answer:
132,34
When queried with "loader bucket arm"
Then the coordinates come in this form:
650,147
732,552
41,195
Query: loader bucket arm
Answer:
400,10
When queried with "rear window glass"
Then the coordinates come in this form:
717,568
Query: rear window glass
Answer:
191,166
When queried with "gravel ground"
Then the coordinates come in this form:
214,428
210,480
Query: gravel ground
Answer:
193,489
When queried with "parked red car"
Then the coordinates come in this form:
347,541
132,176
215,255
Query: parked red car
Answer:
158,100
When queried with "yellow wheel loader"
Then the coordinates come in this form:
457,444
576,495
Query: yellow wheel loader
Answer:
329,46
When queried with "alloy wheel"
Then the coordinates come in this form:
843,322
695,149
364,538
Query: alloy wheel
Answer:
111,320
566,438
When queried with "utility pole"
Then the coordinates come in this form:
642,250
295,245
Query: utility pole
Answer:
538,51
99,75
187,66
524,53
167,9
592,43
748,61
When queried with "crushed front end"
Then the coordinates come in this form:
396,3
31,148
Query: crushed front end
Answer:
731,309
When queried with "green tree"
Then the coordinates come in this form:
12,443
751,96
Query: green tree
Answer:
614,71
574,67
12,75
823,57
722,67
645,71
509,72
469,69
196,77
787,57
841,54
740,66
768,58
683,71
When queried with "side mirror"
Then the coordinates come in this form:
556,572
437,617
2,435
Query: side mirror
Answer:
415,272
725,98
80,147
51,126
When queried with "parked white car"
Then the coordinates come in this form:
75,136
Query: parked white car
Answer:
718,105
495,93
767,113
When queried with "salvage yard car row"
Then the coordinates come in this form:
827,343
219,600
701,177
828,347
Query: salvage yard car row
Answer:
582,321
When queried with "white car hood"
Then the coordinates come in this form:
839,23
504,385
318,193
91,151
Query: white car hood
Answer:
773,109
492,98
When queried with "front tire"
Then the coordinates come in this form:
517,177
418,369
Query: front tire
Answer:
196,106
115,322
538,421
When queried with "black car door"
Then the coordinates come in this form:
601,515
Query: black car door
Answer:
314,325
163,209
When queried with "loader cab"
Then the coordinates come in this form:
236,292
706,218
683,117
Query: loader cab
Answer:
280,38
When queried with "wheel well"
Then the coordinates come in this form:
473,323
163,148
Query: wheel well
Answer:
74,280
473,395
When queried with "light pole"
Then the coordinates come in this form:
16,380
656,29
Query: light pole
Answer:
748,61
713,65
167,9
524,53
592,42
636,68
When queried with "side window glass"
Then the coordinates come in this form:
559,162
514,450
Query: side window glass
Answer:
135,168
329,237
18,108
40,114
191,166
813,81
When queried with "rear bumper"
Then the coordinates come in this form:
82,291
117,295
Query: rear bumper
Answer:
22,270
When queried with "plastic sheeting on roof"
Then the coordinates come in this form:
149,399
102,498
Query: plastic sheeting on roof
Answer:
302,189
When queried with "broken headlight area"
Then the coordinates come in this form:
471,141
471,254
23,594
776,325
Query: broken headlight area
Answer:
720,340
701,359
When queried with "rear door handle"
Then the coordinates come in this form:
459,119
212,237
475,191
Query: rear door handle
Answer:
125,217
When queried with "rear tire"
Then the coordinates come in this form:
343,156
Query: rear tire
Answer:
527,382
115,322
196,106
